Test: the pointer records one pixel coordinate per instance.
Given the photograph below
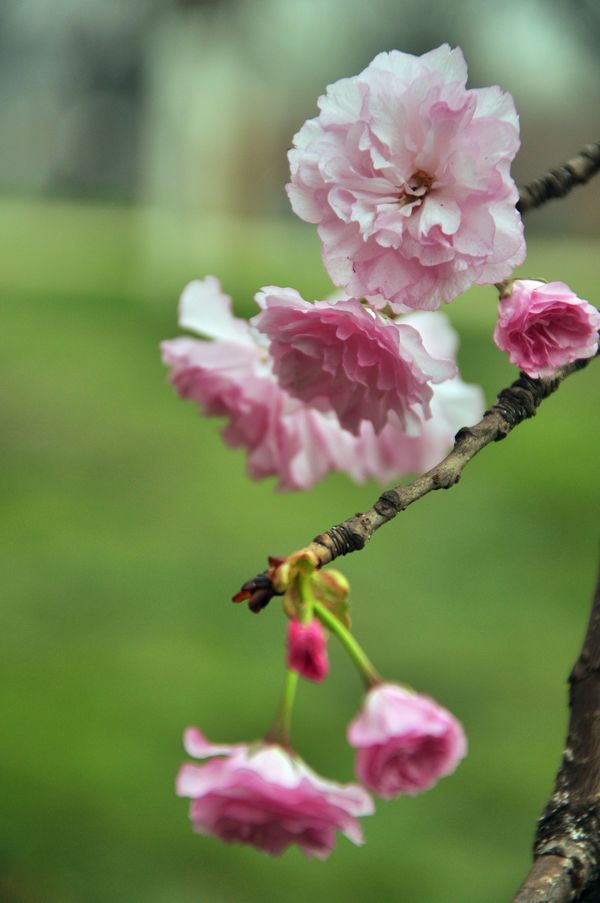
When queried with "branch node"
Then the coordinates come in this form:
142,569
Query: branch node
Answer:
464,434
342,539
520,401
388,504
444,477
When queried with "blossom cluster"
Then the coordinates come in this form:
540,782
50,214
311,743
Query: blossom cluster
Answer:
265,795
406,174
311,388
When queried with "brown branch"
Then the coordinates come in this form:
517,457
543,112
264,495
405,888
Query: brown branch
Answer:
513,405
567,844
557,183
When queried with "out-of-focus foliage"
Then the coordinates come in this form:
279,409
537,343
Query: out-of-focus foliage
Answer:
127,525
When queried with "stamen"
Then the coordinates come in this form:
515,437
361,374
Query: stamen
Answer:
416,188
420,179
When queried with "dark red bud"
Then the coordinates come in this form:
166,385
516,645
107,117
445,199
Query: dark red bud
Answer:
258,592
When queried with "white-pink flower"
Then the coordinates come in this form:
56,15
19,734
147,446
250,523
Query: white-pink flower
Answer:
267,797
231,376
543,325
454,404
407,174
343,357
406,742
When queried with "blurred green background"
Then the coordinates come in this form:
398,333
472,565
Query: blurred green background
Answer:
127,525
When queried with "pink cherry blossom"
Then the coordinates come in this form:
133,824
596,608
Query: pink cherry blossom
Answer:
307,649
266,796
454,404
407,174
231,376
543,325
340,356
405,741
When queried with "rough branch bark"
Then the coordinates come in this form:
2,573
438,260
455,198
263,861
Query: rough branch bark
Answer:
567,844
513,405
556,183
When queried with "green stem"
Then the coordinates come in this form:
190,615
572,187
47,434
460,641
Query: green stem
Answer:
305,615
280,729
366,668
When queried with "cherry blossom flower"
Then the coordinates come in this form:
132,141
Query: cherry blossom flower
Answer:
307,649
340,356
232,377
405,741
407,174
266,796
543,325
454,404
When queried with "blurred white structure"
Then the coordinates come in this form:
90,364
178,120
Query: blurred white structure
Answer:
190,105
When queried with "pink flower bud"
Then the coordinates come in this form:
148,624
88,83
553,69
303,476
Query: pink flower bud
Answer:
543,325
405,741
267,797
307,649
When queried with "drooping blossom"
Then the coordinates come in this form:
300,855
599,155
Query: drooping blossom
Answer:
405,741
407,174
307,649
543,325
231,376
342,357
267,797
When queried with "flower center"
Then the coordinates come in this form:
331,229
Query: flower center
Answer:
415,188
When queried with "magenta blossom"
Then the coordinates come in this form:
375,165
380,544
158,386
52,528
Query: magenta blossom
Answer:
407,174
231,377
342,357
543,325
307,649
405,741
267,797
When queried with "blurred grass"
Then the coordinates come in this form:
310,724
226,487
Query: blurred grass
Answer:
127,526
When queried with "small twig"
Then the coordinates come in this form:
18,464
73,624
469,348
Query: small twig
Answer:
567,844
513,405
557,183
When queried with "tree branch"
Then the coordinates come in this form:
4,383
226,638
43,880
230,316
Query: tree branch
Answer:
567,844
513,405
557,183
